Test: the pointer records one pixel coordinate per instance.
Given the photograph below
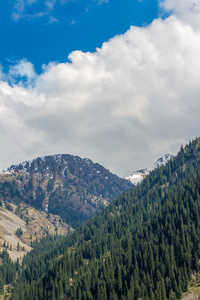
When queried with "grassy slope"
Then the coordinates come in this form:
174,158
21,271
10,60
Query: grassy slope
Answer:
193,292
39,224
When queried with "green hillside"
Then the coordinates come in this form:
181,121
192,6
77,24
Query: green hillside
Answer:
144,245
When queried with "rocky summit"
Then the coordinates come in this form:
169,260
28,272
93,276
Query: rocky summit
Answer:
67,185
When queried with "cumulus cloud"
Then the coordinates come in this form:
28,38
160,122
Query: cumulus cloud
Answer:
187,10
133,100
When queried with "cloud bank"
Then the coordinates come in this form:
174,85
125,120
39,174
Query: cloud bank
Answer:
133,100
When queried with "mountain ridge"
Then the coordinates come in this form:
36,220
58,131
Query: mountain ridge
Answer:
66,185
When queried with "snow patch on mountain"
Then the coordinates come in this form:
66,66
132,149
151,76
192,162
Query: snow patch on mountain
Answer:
162,161
137,176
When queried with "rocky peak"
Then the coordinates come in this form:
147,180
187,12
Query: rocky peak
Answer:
66,185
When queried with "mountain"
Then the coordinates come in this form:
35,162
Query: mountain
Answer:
66,185
137,176
143,245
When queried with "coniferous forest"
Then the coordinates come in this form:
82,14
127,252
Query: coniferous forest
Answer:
144,245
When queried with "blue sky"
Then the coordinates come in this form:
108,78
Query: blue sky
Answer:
114,81
44,31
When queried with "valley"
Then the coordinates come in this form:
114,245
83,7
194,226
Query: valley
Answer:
144,244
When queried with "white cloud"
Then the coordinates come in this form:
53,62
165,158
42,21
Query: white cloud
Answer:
22,70
187,10
50,4
101,1
53,20
1,72
133,100
20,9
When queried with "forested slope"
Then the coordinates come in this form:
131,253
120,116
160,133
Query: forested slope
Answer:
10,270
145,244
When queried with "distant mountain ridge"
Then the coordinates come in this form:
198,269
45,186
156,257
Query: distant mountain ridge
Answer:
67,185
137,176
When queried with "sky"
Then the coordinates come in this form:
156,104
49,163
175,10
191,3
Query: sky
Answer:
114,81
